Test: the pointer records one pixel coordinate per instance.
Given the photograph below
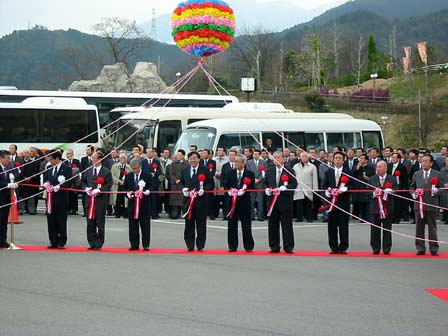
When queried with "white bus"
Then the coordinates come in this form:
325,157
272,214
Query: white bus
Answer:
161,127
305,133
107,101
47,123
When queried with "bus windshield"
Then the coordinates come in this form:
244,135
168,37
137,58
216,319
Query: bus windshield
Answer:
202,138
130,134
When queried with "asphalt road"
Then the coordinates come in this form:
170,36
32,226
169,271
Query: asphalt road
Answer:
47,293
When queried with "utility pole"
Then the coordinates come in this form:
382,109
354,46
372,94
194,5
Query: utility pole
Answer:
282,51
335,50
260,87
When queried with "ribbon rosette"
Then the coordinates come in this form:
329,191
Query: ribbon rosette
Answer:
387,190
18,167
380,203
284,179
262,169
246,182
419,194
234,194
211,166
275,195
154,166
74,165
334,198
92,195
138,198
50,203
201,179
397,174
434,181
193,195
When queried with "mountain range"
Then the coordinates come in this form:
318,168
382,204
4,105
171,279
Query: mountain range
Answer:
43,59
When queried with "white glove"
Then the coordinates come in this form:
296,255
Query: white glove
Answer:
86,190
414,196
61,179
46,184
343,189
130,195
56,188
146,192
95,192
268,192
229,193
241,192
388,190
186,192
282,188
201,192
12,186
327,193
434,190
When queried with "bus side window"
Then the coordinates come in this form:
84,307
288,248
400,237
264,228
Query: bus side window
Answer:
229,140
295,140
277,141
169,132
315,140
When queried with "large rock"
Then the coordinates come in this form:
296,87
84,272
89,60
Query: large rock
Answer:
115,78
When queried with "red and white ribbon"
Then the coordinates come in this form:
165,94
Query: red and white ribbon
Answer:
138,202
334,198
49,202
420,193
92,206
275,195
234,195
380,203
193,195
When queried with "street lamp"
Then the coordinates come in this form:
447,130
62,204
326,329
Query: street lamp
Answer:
374,76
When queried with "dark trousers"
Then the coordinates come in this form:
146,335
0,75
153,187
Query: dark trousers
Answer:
120,210
4,213
96,227
135,225
154,205
257,197
305,209
283,219
196,225
338,225
218,204
246,226
400,209
364,210
30,205
430,220
73,201
375,234
85,203
57,226
356,211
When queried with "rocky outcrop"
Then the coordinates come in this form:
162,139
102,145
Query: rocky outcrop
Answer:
115,78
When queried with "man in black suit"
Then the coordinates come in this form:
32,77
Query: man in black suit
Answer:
86,162
361,200
16,161
236,183
374,157
317,201
226,169
55,178
152,166
75,165
6,185
337,219
210,164
30,171
196,218
139,184
381,218
278,179
96,220
400,173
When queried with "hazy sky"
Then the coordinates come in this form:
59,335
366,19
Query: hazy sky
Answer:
82,14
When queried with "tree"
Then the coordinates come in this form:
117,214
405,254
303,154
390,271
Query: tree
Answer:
358,62
123,37
372,56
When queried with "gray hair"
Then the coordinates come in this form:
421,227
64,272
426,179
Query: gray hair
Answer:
241,157
123,155
136,163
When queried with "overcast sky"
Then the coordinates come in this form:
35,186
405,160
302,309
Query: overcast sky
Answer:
82,14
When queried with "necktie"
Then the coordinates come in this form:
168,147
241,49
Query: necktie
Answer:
426,177
55,170
350,164
194,173
95,175
136,181
239,178
205,162
382,181
338,176
279,172
231,165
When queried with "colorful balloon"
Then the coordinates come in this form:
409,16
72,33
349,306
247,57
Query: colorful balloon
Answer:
203,27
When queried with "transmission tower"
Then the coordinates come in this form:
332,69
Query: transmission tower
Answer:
154,25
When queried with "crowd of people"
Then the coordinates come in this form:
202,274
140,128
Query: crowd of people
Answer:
282,186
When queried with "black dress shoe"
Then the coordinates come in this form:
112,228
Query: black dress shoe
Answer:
334,252
212,218
200,250
91,248
260,219
97,248
61,247
274,251
376,252
342,252
434,254
249,251
146,249
51,247
6,245
386,252
232,250
289,251
420,253
155,217
190,250
133,249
